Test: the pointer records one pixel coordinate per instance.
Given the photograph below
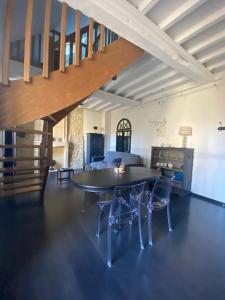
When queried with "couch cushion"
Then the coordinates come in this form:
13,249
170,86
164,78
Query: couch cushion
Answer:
126,158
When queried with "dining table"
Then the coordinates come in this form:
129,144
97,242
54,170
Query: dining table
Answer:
105,180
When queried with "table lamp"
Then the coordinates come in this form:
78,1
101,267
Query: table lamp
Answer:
185,131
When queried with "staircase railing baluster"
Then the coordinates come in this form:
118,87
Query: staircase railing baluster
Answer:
6,42
46,40
77,39
63,37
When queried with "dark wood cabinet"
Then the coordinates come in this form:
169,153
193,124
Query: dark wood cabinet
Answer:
95,146
177,162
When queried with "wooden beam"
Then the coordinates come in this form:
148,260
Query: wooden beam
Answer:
77,38
45,97
46,39
212,54
113,98
91,104
28,36
104,105
206,43
183,10
135,70
216,65
63,38
149,75
169,92
177,81
6,42
147,5
102,38
90,38
150,84
127,21
113,107
203,24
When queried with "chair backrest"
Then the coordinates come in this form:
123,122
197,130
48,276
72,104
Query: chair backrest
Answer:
126,199
161,190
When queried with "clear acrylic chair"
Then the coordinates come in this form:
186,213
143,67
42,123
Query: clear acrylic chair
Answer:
125,205
158,199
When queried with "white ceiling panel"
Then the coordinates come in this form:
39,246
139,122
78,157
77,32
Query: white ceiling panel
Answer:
192,31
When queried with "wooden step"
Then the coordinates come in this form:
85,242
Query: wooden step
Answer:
18,185
21,191
24,130
24,146
9,159
22,177
20,169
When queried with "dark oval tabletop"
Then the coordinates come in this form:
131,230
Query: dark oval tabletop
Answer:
107,179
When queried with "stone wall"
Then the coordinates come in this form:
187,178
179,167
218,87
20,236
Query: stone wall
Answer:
75,139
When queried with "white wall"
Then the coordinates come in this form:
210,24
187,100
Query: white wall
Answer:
202,110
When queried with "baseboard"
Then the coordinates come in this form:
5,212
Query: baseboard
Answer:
216,202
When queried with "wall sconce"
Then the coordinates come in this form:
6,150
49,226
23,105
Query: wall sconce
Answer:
185,131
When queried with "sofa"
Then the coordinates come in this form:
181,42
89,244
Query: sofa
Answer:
113,158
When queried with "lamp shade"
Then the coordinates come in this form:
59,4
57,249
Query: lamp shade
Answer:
185,130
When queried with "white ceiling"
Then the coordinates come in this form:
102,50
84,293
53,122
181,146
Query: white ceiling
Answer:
194,29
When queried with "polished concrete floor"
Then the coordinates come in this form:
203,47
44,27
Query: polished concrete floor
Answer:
50,252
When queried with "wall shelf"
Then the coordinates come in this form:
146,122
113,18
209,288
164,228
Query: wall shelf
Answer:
182,160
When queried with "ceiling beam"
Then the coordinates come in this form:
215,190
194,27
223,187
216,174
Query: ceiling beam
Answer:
151,83
183,90
104,105
91,104
169,92
115,106
123,18
213,54
147,5
216,65
186,8
201,25
212,40
220,74
135,78
113,98
139,67
163,87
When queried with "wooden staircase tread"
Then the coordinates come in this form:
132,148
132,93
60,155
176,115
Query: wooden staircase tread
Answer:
8,159
23,146
24,130
20,169
18,185
21,191
23,177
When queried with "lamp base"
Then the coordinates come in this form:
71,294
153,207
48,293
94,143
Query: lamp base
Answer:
184,141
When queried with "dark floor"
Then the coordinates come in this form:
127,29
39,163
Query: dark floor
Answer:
50,252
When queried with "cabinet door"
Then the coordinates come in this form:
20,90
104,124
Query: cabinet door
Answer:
97,145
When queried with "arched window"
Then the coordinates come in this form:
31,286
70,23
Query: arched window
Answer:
123,136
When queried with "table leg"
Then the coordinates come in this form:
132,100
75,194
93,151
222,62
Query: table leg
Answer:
84,202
